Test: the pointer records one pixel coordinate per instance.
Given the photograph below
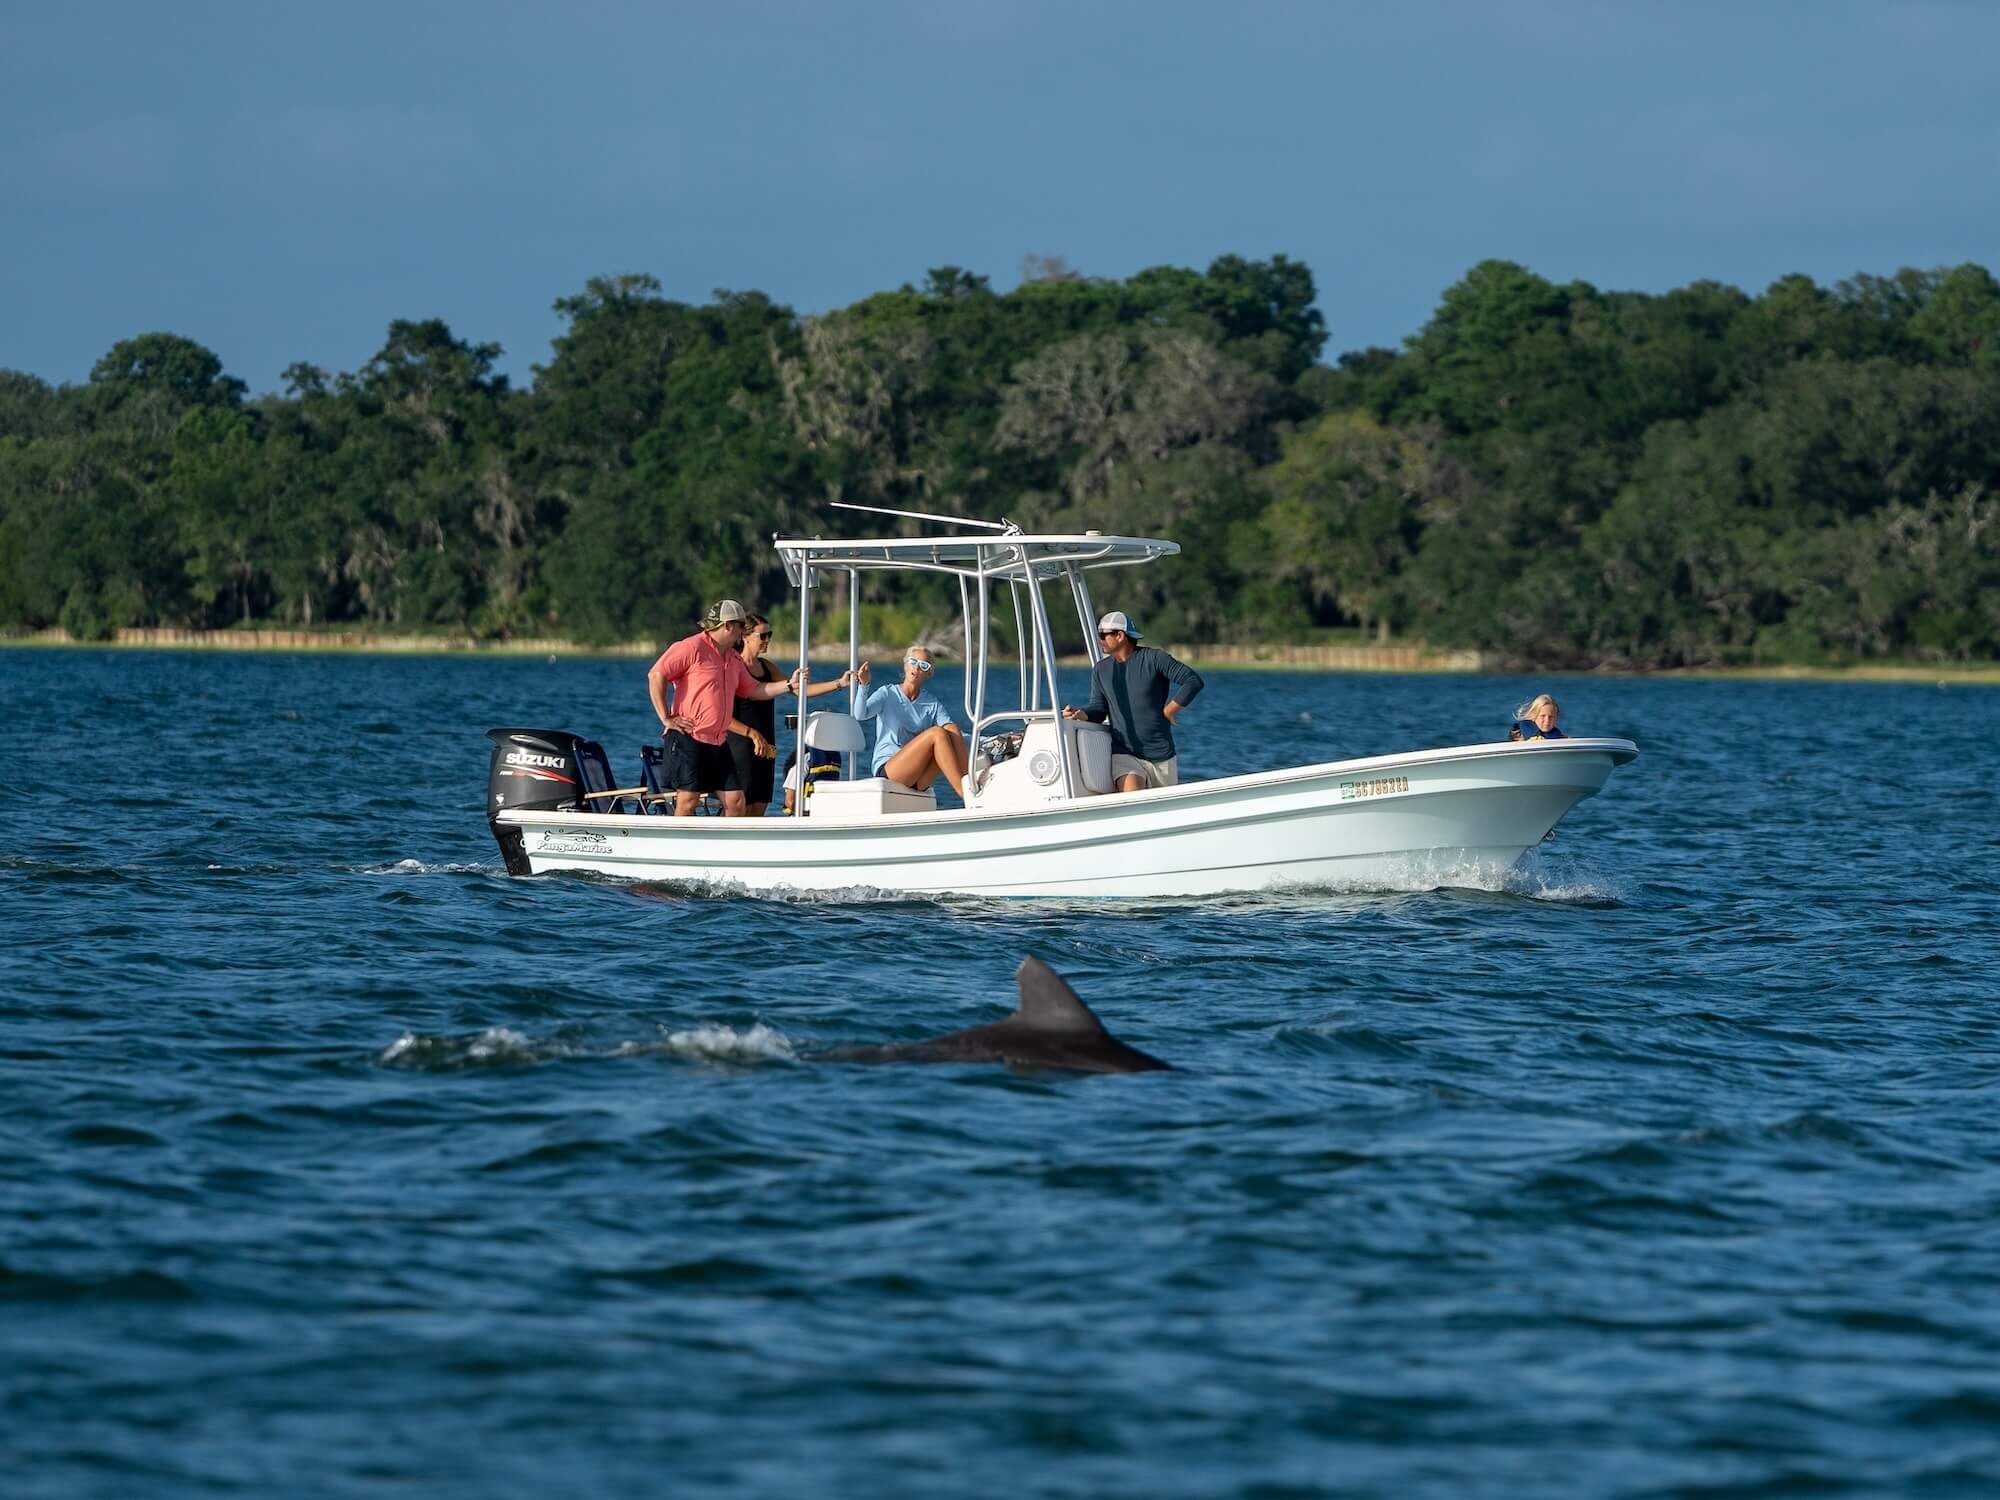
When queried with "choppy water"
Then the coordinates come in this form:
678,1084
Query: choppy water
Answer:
333,1161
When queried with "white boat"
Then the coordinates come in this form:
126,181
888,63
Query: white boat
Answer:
1040,815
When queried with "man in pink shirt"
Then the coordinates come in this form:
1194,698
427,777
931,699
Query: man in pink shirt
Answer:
707,675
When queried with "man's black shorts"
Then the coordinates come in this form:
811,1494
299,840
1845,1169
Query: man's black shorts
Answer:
687,765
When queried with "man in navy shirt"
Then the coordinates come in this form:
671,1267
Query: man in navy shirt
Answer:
1141,690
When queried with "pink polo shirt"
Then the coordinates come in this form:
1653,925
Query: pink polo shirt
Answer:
706,681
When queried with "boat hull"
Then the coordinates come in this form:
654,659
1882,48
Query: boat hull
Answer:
1462,816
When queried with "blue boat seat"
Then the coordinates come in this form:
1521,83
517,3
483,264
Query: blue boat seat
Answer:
601,793
653,794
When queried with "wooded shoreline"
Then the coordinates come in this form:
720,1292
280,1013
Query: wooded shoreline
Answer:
1547,475
1327,657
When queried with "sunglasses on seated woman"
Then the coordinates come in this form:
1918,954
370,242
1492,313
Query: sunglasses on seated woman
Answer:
918,662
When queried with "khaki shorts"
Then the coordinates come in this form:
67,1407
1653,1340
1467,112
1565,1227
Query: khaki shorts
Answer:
1151,773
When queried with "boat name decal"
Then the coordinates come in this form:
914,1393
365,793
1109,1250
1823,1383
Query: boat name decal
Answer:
1381,787
573,843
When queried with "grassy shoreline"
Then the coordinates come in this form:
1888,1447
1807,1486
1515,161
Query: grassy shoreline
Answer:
1250,658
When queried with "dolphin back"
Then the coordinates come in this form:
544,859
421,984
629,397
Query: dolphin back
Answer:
1049,1004
1050,1028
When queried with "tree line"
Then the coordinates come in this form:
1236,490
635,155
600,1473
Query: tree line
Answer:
1558,475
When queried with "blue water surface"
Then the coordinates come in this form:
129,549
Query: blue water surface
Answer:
334,1161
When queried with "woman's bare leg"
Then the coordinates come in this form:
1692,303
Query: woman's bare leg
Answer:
913,765
950,752
938,751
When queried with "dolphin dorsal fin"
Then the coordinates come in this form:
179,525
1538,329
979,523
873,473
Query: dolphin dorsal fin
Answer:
1048,1003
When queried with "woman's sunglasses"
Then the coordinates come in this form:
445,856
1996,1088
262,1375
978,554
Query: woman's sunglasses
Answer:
918,662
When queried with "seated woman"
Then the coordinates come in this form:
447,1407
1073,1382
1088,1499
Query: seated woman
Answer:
915,739
1536,720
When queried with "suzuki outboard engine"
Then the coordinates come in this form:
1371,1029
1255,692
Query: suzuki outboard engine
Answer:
537,769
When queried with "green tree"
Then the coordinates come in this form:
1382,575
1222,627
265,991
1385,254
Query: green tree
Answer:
1349,502
144,384
1960,323
221,520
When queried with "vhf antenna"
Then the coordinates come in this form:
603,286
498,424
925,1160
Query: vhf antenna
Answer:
924,515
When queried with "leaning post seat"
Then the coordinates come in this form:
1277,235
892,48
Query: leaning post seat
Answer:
832,739
864,798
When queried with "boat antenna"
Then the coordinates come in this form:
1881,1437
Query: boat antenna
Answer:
924,515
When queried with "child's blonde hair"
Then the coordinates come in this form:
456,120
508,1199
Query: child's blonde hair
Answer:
1527,710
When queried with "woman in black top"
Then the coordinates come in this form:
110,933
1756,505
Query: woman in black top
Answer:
755,725
754,729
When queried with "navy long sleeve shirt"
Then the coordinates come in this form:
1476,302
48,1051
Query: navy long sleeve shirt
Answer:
1133,695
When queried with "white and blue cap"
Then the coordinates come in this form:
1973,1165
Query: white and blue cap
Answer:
1119,620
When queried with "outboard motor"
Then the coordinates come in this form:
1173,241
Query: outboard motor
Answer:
537,769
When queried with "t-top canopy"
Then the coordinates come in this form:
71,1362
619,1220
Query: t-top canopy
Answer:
1006,557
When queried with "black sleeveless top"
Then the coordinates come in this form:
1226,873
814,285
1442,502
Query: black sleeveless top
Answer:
761,714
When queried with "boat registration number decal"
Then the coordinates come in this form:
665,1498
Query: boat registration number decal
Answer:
1382,787
573,843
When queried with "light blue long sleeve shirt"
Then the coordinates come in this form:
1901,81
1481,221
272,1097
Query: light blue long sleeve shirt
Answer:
898,720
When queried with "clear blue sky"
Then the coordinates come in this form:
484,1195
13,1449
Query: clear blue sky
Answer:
277,181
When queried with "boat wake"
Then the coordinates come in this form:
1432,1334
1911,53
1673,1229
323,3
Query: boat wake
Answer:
426,867
1537,880
736,890
502,1046
1533,879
